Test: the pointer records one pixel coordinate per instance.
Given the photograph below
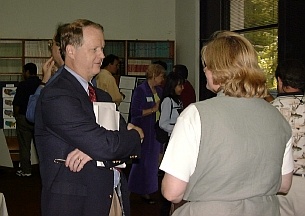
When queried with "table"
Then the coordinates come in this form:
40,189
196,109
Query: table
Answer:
3,209
5,158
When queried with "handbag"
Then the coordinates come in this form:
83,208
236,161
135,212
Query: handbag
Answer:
161,135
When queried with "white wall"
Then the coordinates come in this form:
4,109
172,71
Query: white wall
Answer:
122,19
188,39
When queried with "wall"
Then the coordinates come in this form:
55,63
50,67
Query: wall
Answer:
122,19
187,38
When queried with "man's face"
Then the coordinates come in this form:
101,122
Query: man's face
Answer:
26,74
179,88
88,58
113,68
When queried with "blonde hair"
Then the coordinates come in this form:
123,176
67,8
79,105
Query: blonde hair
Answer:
154,70
233,62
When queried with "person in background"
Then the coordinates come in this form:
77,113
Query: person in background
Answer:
162,63
269,97
24,129
106,81
144,112
290,76
55,61
69,142
171,107
231,154
188,95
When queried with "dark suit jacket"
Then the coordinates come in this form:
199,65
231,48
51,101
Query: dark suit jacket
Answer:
65,120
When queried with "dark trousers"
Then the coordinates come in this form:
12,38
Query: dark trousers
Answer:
25,132
165,207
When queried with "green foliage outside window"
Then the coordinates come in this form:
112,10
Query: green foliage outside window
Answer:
267,50
257,21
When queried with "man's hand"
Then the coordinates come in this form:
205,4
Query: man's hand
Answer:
122,95
76,160
47,70
140,131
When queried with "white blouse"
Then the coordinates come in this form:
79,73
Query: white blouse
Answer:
169,114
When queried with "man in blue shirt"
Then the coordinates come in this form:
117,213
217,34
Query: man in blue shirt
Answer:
47,70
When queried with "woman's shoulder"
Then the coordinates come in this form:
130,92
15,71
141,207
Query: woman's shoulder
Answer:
143,85
141,91
168,100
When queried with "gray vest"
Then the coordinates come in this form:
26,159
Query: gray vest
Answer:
238,170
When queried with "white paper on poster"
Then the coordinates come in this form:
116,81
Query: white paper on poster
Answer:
127,93
127,82
124,107
8,92
9,123
8,103
8,113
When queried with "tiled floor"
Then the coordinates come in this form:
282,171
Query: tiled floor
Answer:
22,195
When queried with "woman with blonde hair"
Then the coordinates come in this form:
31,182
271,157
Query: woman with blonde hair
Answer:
225,154
144,112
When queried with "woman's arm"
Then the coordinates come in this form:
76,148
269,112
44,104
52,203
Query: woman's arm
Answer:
165,117
139,107
179,162
286,183
173,188
287,168
151,110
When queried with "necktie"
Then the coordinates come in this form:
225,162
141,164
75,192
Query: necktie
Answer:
92,94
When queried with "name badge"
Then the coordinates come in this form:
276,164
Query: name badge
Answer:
149,99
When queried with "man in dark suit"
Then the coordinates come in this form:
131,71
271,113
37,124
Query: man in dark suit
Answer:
65,123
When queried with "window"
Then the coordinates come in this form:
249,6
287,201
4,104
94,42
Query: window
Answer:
257,20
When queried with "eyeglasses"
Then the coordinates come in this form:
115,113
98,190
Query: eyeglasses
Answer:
50,44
